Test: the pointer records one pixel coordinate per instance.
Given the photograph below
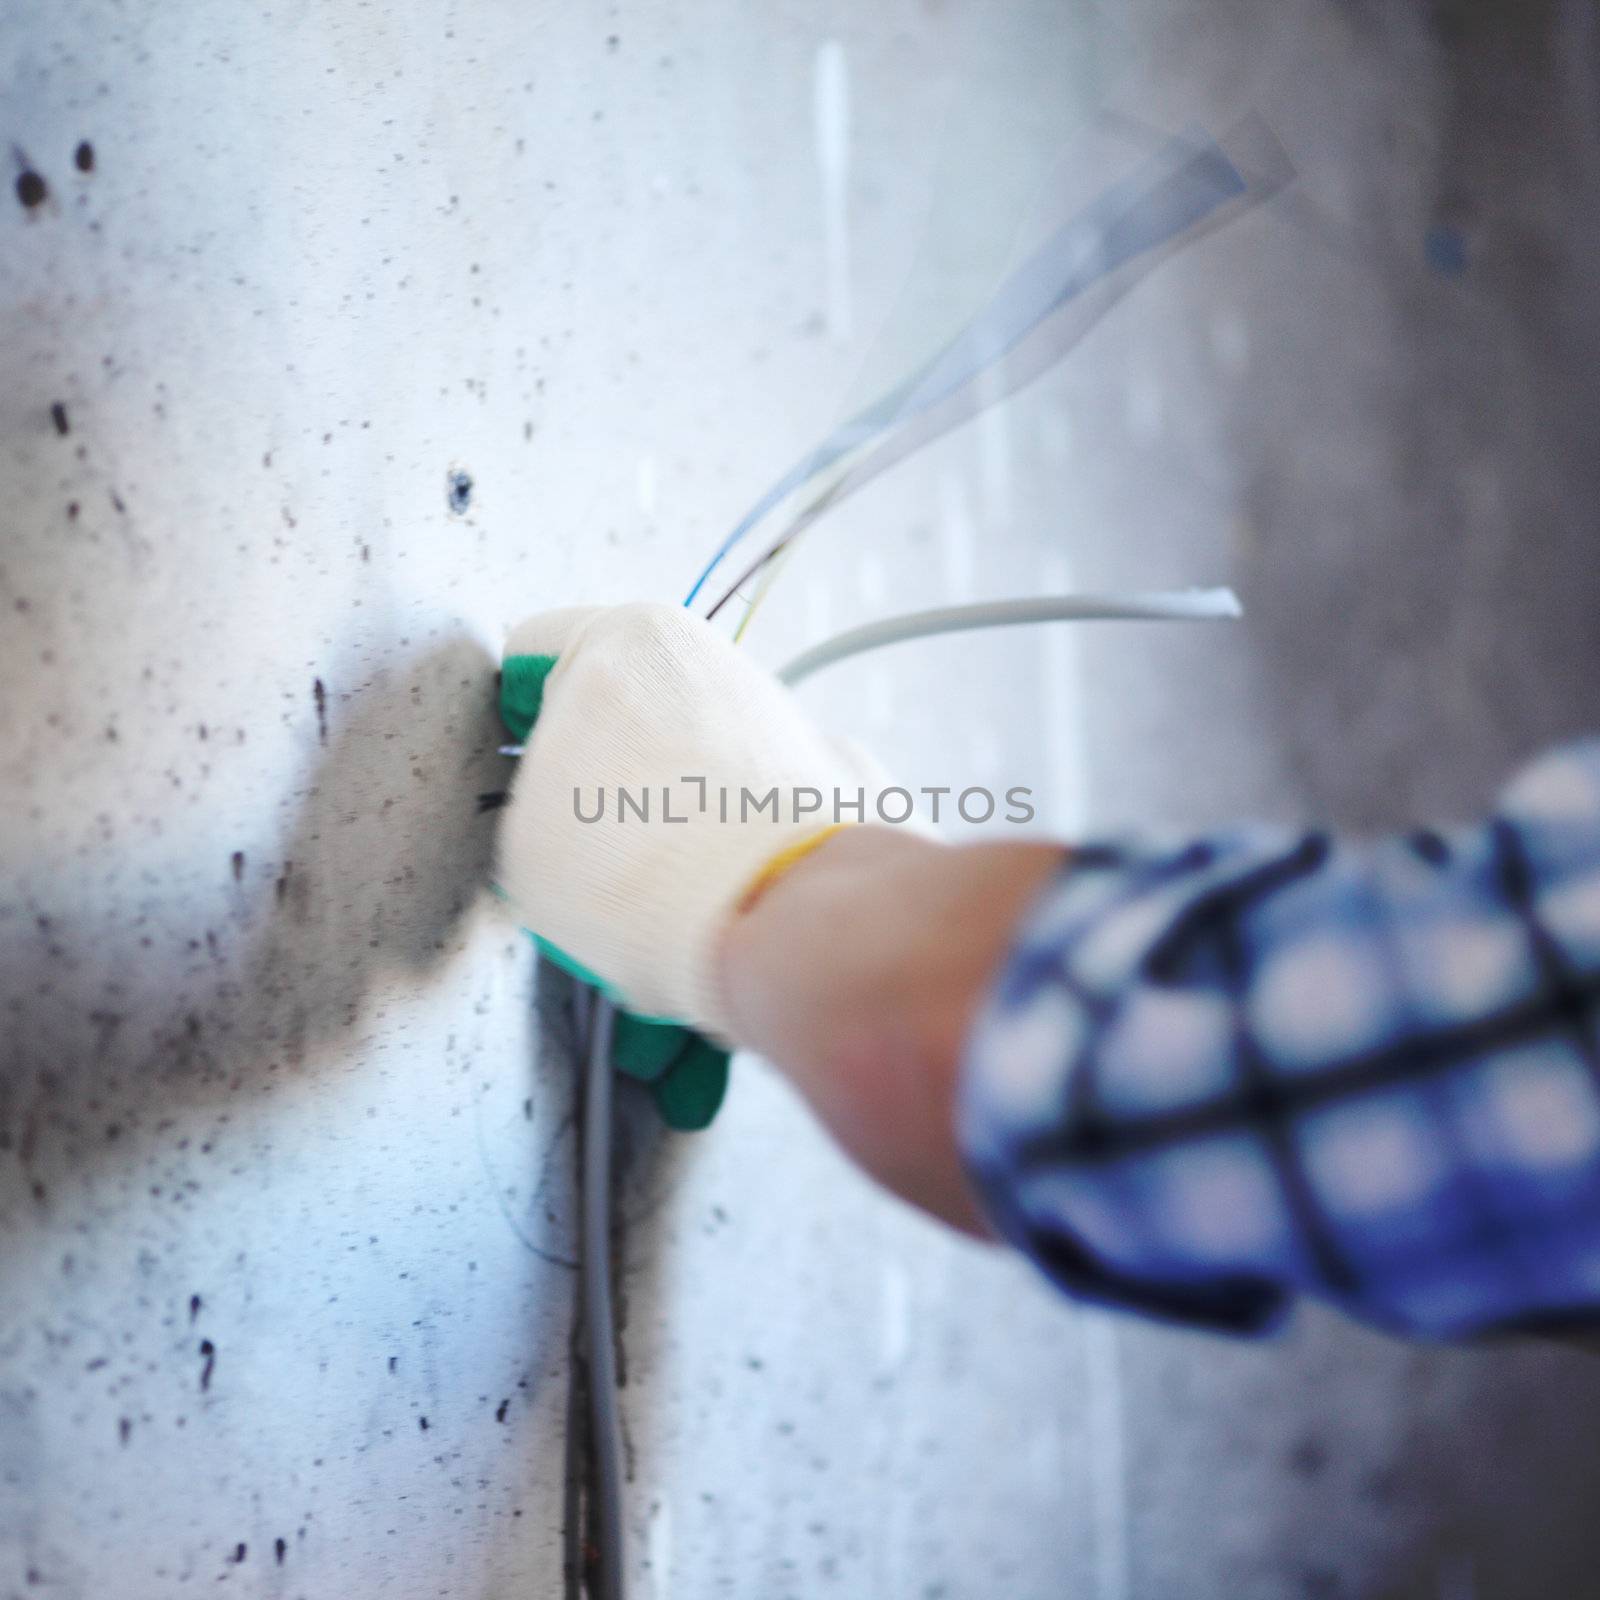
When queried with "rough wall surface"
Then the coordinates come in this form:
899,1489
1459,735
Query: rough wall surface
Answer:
334,338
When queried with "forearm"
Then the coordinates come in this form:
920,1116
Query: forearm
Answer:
858,973
1216,1074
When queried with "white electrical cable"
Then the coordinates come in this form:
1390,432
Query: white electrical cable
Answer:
605,1429
1186,605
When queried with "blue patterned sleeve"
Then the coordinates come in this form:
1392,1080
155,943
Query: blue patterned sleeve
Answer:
1214,1076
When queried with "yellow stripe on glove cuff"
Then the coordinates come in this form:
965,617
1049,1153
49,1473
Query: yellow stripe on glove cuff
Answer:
779,864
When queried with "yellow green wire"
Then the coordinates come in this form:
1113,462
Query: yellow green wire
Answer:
785,547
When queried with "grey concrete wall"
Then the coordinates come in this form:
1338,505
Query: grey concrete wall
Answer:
285,1155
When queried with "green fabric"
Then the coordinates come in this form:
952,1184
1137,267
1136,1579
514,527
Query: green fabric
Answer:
557,957
688,1075
643,1048
692,1091
522,692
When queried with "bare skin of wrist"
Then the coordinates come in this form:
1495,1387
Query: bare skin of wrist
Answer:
858,973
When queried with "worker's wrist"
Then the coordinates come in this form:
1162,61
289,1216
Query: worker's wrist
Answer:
858,974
782,934
781,862
880,919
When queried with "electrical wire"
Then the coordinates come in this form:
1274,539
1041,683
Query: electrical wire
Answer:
605,1423
1019,304
776,556
1186,192
766,565
1187,605
1187,186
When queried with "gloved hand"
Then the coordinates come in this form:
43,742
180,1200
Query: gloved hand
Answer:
648,705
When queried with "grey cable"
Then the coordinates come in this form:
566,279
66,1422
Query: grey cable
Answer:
1187,605
605,1426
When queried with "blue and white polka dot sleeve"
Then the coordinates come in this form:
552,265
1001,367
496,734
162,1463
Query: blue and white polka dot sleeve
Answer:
1214,1076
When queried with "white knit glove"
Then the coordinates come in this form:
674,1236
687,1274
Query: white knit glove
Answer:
645,699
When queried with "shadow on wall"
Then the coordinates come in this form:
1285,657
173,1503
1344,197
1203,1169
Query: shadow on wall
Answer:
110,1027
388,851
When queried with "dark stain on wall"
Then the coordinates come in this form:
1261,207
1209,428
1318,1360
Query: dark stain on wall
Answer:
32,190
